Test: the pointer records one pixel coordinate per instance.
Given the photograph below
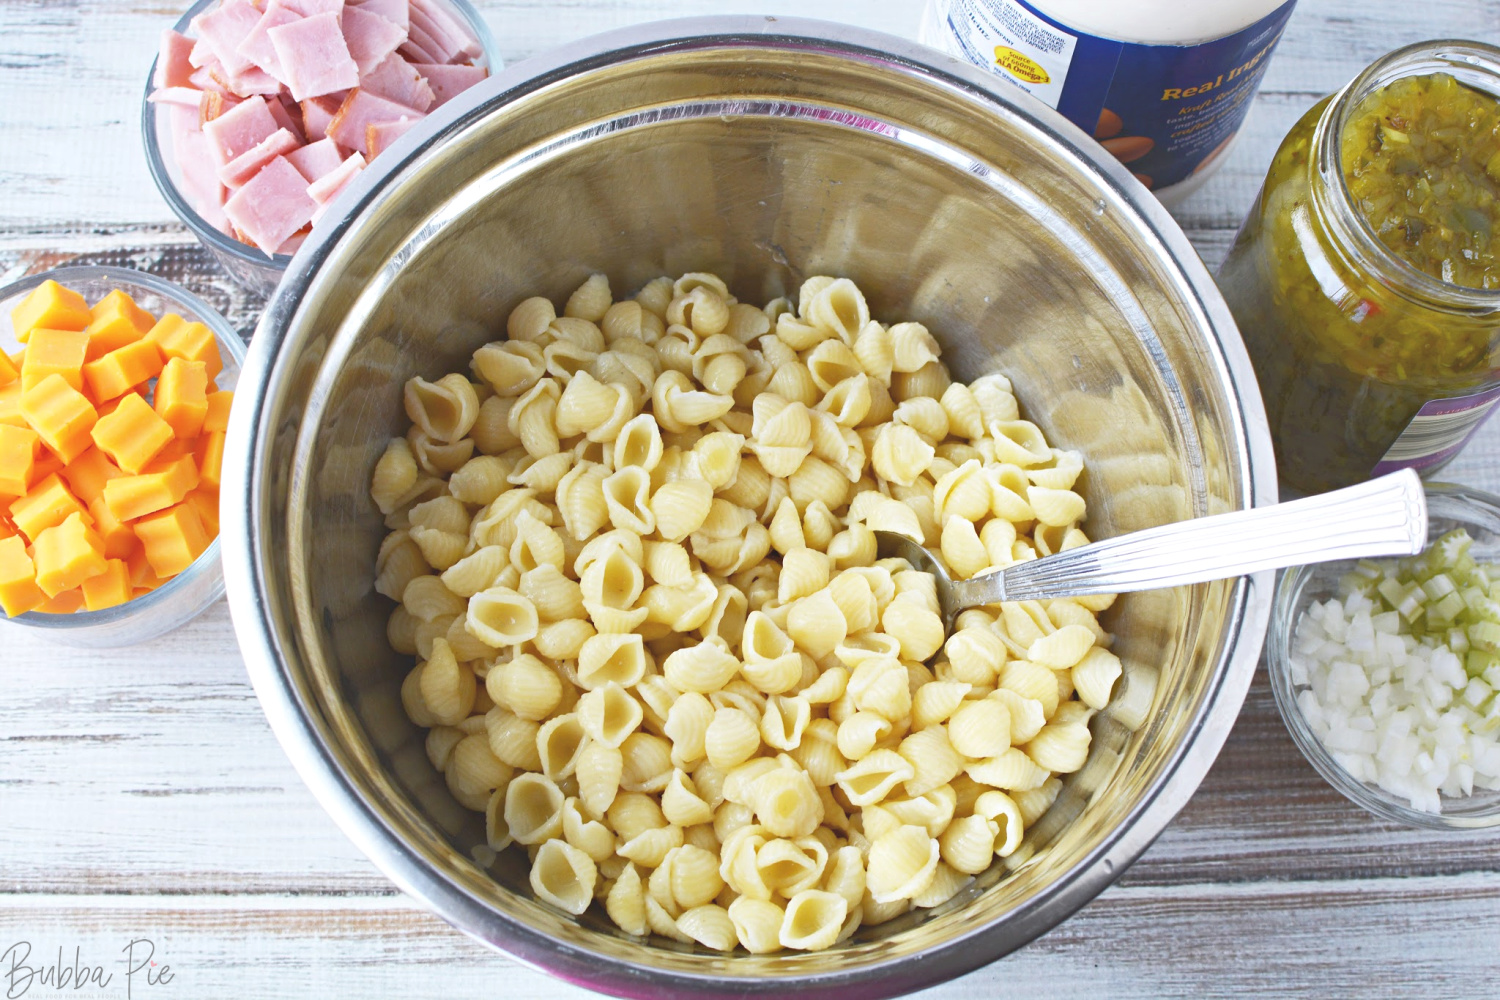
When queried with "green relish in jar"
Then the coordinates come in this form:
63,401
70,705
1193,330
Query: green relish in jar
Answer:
1366,279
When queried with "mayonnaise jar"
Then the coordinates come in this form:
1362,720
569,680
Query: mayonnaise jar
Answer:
1164,85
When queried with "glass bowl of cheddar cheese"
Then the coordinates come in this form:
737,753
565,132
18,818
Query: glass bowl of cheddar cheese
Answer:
110,314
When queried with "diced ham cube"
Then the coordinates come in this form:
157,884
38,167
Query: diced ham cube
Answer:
240,129
398,80
257,45
251,82
361,110
174,68
206,77
213,105
224,28
307,8
198,181
317,160
272,206
447,82
370,38
445,30
292,245
314,57
187,97
420,47
285,117
325,189
397,12
379,136
317,114
245,166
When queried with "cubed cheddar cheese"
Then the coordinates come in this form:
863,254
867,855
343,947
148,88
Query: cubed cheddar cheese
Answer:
47,462
217,418
178,338
9,370
210,454
172,538
87,474
65,603
66,555
10,404
52,306
119,539
132,434
46,505
122,369
143,578
182,396
115,321
109,588
205,500
61,414
18,590
18,451
159,486
54,352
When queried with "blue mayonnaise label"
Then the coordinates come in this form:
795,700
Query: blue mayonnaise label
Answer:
1165,110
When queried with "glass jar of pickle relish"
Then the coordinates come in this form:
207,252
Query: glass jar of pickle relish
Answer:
1366,279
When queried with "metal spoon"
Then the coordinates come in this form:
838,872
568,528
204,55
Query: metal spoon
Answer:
1383,517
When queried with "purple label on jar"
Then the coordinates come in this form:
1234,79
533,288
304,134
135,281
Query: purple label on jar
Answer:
1439,431
1165,110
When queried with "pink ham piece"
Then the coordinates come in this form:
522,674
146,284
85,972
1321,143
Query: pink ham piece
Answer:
240,129
317,160
307,8
314,57
187,97
326,189
200,183
249,163
447,82
272,206
206,77
316,114
214,105
286,118
446,32
378,137
174,68
257,45
251,81
224,28
370,38
397,12
360,110
398,80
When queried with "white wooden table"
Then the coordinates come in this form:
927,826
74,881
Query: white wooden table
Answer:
145,806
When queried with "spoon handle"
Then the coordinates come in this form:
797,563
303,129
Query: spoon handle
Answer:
1383,517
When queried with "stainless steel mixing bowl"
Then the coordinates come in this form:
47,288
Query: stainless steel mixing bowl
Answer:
765,150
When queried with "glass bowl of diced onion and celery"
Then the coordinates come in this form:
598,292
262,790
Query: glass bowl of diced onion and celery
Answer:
1387,671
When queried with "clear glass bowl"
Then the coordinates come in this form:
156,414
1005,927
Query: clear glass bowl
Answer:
1448,507
252,268
195,589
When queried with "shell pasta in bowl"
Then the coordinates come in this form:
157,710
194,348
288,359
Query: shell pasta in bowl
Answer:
633,549
556,469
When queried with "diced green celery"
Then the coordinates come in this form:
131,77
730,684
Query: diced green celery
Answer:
1392,591
1353,583
1410,605
1477,662
1458,641
1440,586
1446,609
1472,595
1464,568
1477,693
1447,549
1367,569
1491,673
1491,718
1485,636
1486,610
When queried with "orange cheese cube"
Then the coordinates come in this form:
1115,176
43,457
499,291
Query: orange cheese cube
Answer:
10,404
132,434
143,578
115,321
177,338
18,590
119,539
52,306
87,474
8,527
109,588
66,555
18,450
172,539
205,501
161,485
9,370
217,418
121,370
46,505
210,454
50,352
66,603
182,396
61,414
47,462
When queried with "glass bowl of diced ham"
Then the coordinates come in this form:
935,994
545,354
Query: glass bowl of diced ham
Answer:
259,114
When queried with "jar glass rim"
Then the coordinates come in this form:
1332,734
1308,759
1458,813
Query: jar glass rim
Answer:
1474,64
